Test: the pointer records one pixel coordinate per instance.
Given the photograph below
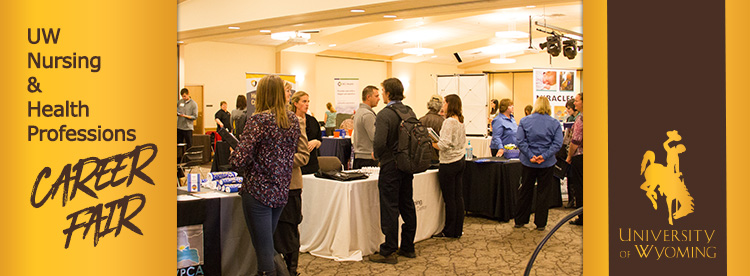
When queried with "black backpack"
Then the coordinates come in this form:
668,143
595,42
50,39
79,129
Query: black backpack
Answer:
415,150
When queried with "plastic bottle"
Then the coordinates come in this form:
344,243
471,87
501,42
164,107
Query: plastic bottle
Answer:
469,152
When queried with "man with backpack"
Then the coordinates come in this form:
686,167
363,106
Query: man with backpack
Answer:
394,184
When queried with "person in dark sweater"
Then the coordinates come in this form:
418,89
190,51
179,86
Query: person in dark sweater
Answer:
395,187
223,118
300,105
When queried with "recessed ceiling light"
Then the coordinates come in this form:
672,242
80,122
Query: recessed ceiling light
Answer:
511,34
531,6
357,10
234,28
399,19
310,43
331,45
297,25
389,16
433,56
502,60
180,42
265,31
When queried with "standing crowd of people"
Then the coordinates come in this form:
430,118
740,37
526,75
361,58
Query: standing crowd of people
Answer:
280,140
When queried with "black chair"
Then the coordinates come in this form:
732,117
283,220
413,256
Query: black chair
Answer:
192,158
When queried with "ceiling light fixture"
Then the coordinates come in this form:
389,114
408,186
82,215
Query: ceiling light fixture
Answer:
389,16
552,45
288,35
357,10
511,34
419,51
502,60
265,31
331,45
398,19
233,28
570,49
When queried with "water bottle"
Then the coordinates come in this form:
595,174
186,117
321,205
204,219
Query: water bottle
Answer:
469,152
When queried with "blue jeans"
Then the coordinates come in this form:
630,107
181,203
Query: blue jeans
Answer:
261,221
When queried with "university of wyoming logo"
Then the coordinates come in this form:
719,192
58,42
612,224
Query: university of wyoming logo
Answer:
668,179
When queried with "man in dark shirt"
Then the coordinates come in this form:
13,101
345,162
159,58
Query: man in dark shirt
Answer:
223,118
395,187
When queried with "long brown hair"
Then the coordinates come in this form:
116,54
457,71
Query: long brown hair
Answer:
454,107
272,98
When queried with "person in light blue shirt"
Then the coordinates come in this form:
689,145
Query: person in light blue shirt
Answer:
503,128
539,138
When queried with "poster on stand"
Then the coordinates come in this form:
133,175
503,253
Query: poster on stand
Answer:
347,96
251,82
558,85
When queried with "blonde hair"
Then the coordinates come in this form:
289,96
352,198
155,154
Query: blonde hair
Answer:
330,107
295,99
272,98
542,106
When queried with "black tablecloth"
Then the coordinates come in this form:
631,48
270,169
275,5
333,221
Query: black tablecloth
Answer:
225,232
491,189
339,147
206,212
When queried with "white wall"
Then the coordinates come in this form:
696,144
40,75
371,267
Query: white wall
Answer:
221,68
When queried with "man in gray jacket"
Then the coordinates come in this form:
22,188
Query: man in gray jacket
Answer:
187,112
364,128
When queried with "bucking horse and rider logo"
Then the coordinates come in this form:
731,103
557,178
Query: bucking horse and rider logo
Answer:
668,179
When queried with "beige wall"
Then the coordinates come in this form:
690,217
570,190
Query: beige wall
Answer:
221,68
368,72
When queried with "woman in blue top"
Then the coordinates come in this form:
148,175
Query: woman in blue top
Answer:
503,128
539,138
330,119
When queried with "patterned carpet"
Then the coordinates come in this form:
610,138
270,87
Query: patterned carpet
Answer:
487,247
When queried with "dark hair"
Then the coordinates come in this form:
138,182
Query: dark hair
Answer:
581,94
571,104
454,107
494,109
241,102
367,91
394,88
528,109
504,104
184,91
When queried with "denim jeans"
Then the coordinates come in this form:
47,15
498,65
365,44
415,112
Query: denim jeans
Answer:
261,221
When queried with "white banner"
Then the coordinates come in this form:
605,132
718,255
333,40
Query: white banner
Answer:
557,85
347,95
251,82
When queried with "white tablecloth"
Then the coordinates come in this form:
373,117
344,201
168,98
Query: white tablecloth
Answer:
341,220
481,145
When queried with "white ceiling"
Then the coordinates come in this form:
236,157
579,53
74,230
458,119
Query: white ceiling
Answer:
468,31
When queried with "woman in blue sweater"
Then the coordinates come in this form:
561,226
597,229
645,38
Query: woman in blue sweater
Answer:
539,138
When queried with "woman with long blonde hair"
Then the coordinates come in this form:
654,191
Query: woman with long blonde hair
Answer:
264,157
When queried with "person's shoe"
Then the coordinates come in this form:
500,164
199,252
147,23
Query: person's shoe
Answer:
410,255
539,228
440,235
518,226
377,258
571,204
577,221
